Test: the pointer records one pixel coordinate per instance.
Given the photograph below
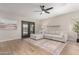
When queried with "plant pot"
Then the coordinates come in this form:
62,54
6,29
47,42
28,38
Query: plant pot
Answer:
77,40
78,37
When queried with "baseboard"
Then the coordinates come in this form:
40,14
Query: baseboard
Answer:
9,39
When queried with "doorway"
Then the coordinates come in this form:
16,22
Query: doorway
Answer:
27,28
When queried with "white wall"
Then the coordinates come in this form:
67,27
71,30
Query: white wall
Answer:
66,22
6,35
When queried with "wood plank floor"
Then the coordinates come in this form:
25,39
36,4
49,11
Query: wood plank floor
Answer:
21,47
71,49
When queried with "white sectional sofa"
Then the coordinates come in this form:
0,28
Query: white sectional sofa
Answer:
58,36
36,36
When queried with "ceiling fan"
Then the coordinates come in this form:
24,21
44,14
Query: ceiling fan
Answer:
44,10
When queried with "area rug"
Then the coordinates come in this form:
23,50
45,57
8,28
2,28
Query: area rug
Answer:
54,47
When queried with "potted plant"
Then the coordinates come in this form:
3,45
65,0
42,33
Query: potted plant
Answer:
76,29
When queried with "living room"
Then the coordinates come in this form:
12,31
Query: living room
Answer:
40,28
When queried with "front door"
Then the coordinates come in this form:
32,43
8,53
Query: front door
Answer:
27,28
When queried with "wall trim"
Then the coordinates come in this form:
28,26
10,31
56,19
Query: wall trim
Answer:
9,39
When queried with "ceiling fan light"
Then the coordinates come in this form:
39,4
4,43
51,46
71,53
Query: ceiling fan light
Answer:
43,12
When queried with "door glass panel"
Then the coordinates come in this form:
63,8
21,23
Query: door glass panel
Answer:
31,28
25,29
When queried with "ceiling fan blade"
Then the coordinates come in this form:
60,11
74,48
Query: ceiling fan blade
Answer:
42,7
49,8
47,12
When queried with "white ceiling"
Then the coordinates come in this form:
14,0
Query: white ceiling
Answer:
13,10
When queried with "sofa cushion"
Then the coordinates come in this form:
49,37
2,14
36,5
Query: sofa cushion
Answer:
53,32
53,35
56,35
